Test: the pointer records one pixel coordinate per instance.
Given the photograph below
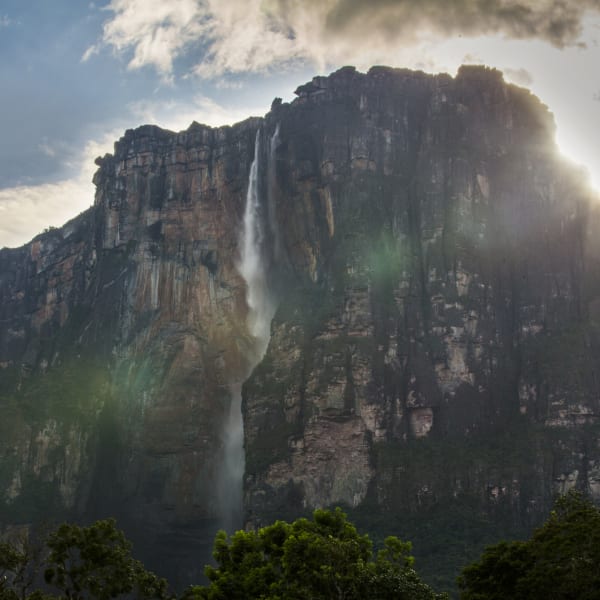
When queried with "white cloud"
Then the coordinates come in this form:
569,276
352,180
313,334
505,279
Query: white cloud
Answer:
93,49
5,21
248,36
156,31
236,36
45,148
25,210
178,115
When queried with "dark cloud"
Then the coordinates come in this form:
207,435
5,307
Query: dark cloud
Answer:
555,21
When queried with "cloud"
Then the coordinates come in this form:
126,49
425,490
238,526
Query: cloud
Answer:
46,148
555,21
93,49
5,21
258,35
178,115
155,31
25,210
250,37
519,76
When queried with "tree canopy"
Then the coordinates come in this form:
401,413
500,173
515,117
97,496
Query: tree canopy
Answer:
561,560
322,558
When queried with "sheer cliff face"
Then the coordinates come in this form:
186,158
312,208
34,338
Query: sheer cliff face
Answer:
436,339
435,342
123,333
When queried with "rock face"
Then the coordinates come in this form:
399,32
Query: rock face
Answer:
432,363
123,334
434,356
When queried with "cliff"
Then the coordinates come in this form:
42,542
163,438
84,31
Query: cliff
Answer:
123,337
431,363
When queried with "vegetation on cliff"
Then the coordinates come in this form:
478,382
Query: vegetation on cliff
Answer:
559,561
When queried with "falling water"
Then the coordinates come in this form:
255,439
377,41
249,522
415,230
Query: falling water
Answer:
272,194
256,257
253,265
232,468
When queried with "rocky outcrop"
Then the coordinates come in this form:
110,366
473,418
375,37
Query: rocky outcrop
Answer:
431,365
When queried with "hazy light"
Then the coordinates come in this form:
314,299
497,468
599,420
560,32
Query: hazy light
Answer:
565,80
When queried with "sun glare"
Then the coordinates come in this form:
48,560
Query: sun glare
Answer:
571,150
563,78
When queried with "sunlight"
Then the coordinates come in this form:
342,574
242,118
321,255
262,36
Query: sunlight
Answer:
562,78
572,150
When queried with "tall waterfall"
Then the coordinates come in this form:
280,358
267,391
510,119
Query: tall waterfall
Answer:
259,248
254,261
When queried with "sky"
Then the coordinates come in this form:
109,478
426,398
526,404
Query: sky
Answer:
75,74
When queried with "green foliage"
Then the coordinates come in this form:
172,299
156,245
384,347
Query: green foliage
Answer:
20,564
79,562
451,532
96,562
13,562
446,536
320,558
70,393
559,561
64,399
392,575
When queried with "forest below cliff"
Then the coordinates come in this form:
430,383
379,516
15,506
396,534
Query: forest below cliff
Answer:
321,558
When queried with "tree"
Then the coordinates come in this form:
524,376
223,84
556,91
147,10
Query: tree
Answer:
80,562
560,561
20,565
392,575
322,558
12,565
96,562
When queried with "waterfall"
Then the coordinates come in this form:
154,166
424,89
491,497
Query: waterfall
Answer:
254,260
259,242
232,467
272,194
